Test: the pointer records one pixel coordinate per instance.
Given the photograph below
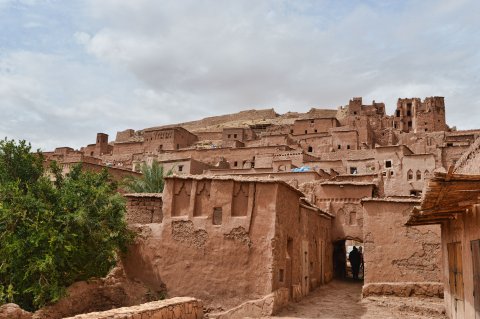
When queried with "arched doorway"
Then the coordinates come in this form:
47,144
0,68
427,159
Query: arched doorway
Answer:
342,268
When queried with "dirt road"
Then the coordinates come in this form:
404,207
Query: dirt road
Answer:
342,300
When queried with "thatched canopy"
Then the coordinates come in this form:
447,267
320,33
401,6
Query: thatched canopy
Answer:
446,196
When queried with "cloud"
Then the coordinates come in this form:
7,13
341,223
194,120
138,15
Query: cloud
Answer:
114,64
231,55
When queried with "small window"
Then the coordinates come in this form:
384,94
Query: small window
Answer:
384,173
409,123
388,164
310,149
352,218
306,131
291,131
235,164
353,170
348,147
419,175
449,144
414,192
91,153
339,147
394,125
398,113
180,168
160,147
234,135
391,173
410,175
312,121
178,146
229,135
316,131
409,113
281,275
426,130
217,216
355,113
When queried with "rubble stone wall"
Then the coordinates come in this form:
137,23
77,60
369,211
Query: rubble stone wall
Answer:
175,308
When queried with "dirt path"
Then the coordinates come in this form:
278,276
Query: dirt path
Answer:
342,300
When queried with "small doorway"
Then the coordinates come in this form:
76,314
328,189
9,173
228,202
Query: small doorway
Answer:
342,266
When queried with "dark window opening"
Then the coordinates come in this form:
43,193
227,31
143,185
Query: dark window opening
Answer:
409,113
449,144
354,113
426,129
180,168
348,147
409,123
235,164
178,146
217,216
91,153
339,147
316,131
281,275
234,135
391,173
312,121
419,175
310,149
353,170
229,135
306,131
291,131
398,113
388,164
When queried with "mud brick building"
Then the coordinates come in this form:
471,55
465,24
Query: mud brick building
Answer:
262,201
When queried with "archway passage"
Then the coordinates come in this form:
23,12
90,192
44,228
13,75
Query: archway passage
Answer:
348,263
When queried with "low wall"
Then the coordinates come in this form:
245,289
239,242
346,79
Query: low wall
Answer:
266,306
175,308
403,289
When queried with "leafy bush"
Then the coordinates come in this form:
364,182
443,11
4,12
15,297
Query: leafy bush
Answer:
53,233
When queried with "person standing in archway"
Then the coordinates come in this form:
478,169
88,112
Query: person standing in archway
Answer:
354,258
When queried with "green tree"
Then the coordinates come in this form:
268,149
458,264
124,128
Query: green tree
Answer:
54,233
151,181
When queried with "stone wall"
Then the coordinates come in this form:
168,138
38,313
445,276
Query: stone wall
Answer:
144,208
175,308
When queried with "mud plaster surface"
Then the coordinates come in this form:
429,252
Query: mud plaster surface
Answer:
342,300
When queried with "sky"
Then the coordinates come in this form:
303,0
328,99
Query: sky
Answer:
72,68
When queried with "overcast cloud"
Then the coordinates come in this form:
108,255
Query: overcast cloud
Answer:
70,69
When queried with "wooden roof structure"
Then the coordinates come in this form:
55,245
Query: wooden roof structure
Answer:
446,196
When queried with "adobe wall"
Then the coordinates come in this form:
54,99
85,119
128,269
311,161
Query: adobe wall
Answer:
144,208
223,264
399,260
314,125
345,140
127,149
174,308
301,248
342,199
